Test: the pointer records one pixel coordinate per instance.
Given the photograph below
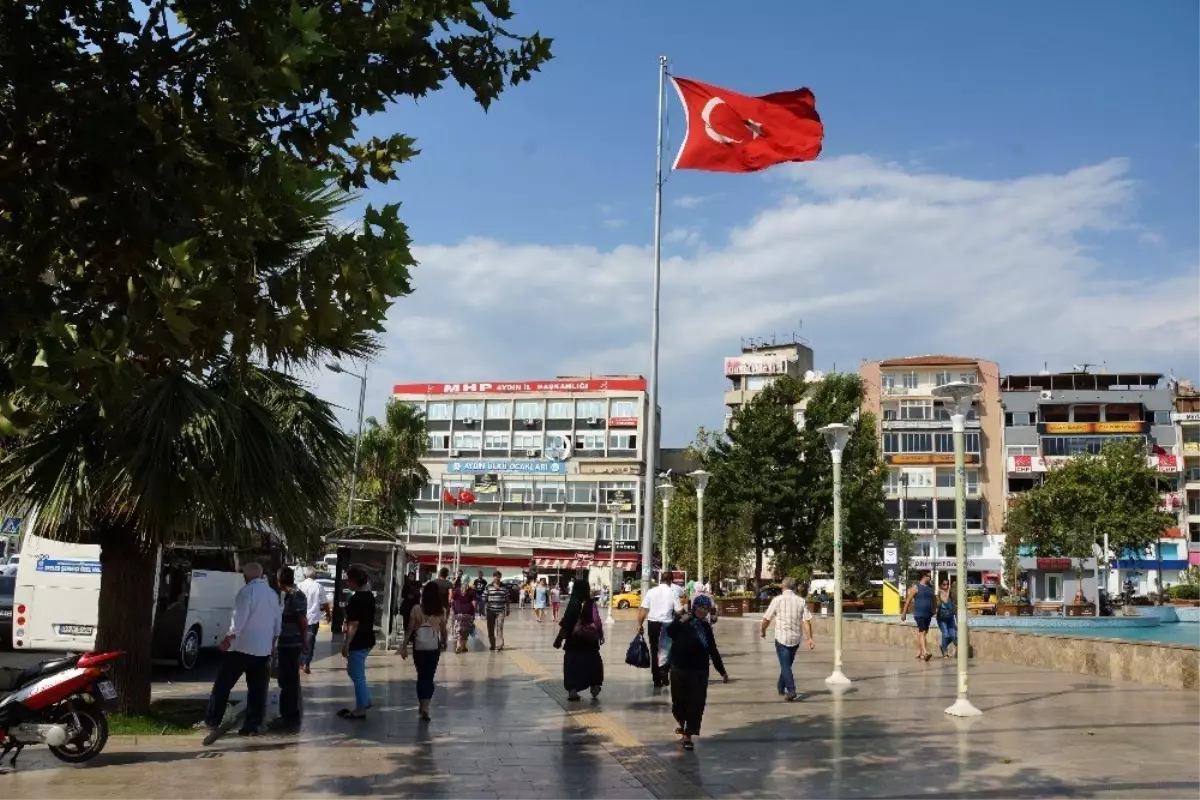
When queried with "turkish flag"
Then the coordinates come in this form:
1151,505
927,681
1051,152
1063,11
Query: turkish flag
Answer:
448,498
731,132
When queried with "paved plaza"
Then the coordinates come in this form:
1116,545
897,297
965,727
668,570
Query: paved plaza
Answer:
502,728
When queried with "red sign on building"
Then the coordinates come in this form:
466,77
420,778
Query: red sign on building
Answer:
525,387
622,422
1054,564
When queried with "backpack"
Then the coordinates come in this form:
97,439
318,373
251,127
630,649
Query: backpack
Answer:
427,637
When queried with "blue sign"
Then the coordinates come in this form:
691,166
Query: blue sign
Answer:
72,566
483,467
10,525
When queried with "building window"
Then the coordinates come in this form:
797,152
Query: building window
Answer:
888,380
969,377
527,441
1017,419
908,380
467,441
756,383
916,443
528,409
622,440
496,440
889,415
944,442
517,527
498,409
971,440
625,407
945,480
610,491
583,493
518,492
942,413
941,379
550,492
589,441
1162,417
468,411
430,491
439,441
438,411
589,409
484,526
891,443
1078,445
544,528
916,409
1022,450
974,549
560,409
580,528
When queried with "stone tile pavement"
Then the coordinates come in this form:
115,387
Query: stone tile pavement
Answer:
502,728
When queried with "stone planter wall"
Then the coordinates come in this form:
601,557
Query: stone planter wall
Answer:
1014,610
1173,666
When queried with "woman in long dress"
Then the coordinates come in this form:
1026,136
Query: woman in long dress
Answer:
580,635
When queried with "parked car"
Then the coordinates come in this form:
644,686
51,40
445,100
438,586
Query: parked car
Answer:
8,584
871,599
627,600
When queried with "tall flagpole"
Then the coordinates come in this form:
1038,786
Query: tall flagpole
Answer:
650,443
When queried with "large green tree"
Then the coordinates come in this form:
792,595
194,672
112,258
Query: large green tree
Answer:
390,472
1115,494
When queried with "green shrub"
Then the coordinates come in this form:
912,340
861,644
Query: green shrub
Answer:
1184,592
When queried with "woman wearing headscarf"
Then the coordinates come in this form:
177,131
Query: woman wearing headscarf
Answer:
580,635
692,647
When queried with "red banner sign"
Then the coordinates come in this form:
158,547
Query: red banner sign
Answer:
622,422
1054,564
525,387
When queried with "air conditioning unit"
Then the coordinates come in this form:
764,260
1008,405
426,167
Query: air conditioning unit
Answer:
529,421
531,453
468,421
1047,394
454,453
593,421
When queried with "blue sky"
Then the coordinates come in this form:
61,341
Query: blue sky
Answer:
1025,165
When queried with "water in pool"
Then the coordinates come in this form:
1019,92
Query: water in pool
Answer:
1169,633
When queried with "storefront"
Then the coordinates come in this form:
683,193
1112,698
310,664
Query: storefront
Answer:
981,572
1056,580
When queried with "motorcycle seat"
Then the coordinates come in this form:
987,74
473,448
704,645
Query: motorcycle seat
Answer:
45,668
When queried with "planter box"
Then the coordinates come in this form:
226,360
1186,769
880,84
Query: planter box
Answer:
1185,603
1014,610
1081,610
731,608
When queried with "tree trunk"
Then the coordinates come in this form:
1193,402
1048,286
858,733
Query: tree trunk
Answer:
126,615
758,564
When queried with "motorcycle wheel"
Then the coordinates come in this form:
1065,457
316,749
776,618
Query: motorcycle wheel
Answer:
90,740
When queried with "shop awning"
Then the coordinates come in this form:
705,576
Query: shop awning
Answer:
583,563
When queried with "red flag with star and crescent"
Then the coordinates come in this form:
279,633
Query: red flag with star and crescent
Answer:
731,132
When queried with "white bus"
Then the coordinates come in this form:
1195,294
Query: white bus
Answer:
56,602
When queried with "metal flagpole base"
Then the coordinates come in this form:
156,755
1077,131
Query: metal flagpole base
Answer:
838,678
963,708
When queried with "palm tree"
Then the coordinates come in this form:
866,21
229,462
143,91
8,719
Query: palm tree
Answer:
390,463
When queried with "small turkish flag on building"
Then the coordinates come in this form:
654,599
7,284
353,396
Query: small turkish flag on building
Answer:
731,132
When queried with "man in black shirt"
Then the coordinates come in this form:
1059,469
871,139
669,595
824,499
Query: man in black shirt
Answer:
290,650
480,585
444,586
496,599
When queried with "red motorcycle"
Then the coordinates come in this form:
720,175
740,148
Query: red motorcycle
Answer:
59,704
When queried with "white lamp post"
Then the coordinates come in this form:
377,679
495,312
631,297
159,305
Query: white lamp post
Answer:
836,436
958,396
666,491
362,398
701,478
614,508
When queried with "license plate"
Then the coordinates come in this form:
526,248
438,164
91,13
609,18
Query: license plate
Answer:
75,630
107,690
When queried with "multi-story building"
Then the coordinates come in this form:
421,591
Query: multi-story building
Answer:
1050,417
1187,435
554,466
759,365
917,444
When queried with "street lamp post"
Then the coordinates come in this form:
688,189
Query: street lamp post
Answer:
701,478
667,490
836,436
362,399
614,508
958,395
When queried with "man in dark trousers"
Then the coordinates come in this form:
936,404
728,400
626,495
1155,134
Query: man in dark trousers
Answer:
293,643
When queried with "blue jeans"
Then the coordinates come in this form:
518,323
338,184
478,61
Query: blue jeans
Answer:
312,642
426,662
786,683
949,629
356,668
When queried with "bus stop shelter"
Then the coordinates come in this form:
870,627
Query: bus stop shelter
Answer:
383,556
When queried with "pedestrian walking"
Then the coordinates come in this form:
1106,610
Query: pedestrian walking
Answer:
410,596
540,599
444,588
793,622
290,650
358,640
317,606
248,647
496,600
480,585
580,636
462,600
659,606
921,600
946,620
555,601
423,633
693,646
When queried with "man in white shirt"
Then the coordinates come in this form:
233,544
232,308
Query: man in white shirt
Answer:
253,631
318,604
792,620
659,606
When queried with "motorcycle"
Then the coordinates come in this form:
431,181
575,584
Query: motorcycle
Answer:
59,704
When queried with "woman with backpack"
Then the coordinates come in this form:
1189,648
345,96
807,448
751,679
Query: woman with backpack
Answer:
580,637
424,633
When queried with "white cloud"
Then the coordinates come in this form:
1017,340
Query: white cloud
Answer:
613,224
877,260
688,201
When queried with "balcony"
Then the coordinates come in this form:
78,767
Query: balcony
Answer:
1192,476
925,424
908,391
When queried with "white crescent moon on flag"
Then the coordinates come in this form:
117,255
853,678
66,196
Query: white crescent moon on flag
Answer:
705,115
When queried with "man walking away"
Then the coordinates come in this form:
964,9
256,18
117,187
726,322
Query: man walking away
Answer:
257,619
480,586
316,604
293,642
444,586
496,600
921,601
792,620
659,606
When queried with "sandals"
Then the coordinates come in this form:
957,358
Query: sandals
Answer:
688,745
346,713
574,698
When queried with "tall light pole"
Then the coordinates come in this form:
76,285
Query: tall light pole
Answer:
666,490
958,396
836,435
701,478
614,508
362,399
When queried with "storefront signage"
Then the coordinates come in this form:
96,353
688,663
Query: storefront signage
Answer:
622,422
1185,416
610,469
949,562
756,365
1095,427
68,566
1019,464
470,467
929,458
603,546
1054,564
525,387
